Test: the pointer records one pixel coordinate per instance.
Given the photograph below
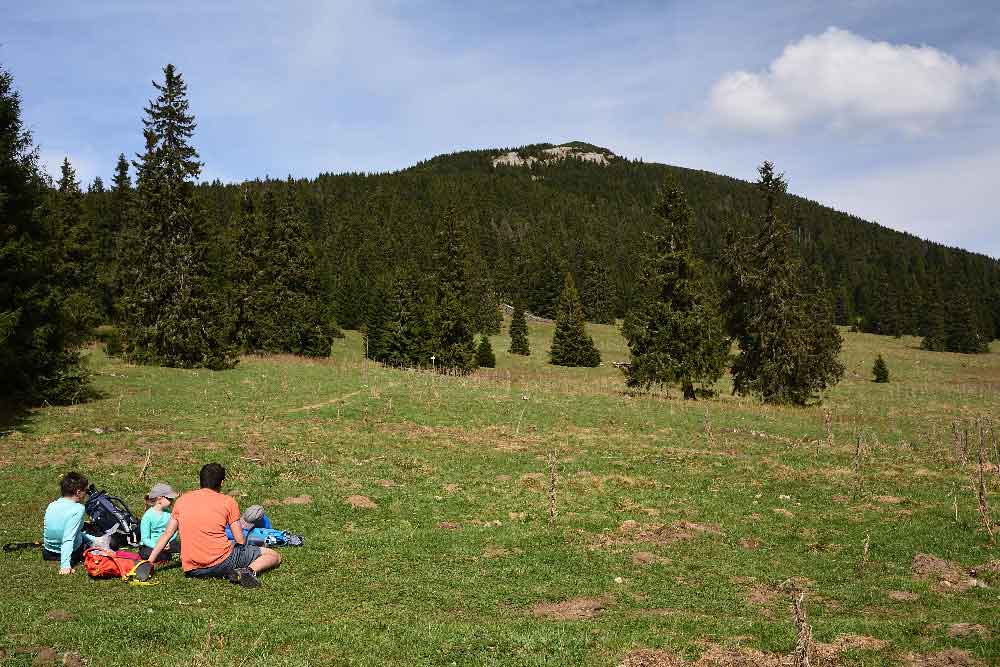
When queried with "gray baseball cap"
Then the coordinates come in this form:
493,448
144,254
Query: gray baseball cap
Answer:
162,489
252,516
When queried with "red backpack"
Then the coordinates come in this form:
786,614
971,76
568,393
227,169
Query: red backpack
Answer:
104,564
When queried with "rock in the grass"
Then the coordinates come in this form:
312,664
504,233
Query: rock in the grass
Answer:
360,502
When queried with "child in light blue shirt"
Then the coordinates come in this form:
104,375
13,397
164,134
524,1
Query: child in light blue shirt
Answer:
154,523
63,538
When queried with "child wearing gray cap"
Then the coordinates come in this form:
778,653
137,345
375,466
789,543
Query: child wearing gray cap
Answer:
155,521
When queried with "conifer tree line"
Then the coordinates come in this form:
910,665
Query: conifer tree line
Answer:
194,274
780,318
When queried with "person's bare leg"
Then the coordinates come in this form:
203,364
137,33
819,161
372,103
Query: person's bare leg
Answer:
267,560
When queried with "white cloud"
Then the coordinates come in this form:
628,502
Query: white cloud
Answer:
841,80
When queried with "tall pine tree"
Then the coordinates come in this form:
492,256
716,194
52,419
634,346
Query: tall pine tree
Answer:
519,331
781,316
571,344
453,345
174,310
38,361
676,335
75,271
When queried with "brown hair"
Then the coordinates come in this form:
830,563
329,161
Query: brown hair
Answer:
73,482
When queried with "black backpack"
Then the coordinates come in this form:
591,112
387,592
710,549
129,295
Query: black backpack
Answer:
111,516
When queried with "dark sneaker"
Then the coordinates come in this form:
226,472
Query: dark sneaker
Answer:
245,577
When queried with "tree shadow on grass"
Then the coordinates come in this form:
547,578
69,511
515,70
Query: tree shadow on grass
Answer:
13,417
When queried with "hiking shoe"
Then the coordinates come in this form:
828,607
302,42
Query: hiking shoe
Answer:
245,577
144,570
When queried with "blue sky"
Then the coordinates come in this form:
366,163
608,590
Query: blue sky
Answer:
889,110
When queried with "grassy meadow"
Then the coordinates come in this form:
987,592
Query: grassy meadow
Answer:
682,530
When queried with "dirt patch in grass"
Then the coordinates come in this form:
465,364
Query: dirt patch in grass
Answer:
903,596
360,502
499,552
632,532
992,567
828,654
295,500
645,657
646,558
73,660
44,655
714,655
968,630
575,609
719,656
59,615
762,596
951,657
946,575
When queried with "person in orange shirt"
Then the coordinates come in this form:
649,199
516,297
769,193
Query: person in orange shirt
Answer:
202,517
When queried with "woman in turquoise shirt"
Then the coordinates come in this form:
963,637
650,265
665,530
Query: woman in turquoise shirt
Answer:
62,530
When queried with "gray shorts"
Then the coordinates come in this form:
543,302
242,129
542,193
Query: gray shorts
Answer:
241,556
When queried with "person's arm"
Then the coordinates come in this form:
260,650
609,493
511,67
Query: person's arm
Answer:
164,538
233,517
237,529
71,529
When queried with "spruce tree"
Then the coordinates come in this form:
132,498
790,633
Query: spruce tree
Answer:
484,354
781,316
599,294
173,310
453,345
281,303
116,238
38,359
75,270
571,345
406,334
676,334
880,371
519,331
964,332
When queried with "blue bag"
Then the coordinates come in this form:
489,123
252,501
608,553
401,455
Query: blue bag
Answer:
272,537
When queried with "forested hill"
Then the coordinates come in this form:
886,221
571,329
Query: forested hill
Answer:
535,211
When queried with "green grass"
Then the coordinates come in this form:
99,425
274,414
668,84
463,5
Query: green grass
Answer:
389,587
